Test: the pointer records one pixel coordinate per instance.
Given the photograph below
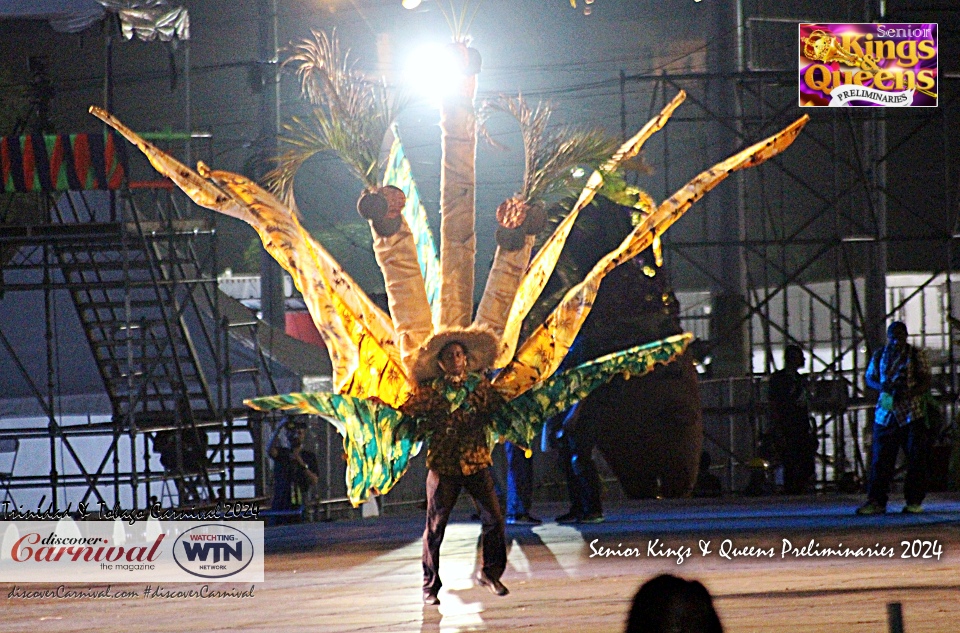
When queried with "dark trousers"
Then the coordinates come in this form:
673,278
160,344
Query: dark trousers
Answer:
442,493
576,445
914,438
799,459
519,480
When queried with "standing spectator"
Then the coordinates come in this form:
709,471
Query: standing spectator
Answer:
295,469
708,484
794,438
574,439
901,373
575,443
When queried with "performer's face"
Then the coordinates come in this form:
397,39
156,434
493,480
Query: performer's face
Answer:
453,360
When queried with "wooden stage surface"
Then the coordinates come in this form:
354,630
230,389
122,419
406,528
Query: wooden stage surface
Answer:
364,575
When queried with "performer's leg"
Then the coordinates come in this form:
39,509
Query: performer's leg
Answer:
811,447
442,492
584,468
792,465
886,446
565,451
917,449
281,491
493,544
519,481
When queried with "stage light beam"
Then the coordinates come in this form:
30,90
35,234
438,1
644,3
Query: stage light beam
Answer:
434,71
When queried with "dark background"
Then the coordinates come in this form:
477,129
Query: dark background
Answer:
546,49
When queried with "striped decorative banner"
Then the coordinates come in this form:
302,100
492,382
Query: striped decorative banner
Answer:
63,162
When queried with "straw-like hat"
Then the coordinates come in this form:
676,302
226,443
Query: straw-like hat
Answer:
479,342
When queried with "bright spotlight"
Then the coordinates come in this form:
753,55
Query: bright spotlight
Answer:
410,4
434,71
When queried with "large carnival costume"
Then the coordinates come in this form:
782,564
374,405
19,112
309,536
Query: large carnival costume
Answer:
379,360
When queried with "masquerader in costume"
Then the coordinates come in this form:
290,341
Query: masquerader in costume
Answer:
378,360
453,412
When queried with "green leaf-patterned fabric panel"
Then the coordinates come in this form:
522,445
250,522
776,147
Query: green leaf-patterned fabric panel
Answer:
378,452
379,441
520,420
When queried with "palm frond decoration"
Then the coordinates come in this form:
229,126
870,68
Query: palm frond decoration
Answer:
349,115
459,23
551,153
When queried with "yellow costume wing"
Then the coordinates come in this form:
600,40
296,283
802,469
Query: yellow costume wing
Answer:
542,353
540,269
358,335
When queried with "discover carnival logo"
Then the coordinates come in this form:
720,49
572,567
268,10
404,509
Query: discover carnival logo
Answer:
52,548
118,552
213,551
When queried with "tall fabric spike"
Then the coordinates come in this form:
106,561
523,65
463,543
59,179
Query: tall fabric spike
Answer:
546,258
345,309
458,239
358,334
397,257
542,353
502,283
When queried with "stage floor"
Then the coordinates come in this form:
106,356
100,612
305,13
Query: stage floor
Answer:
365,575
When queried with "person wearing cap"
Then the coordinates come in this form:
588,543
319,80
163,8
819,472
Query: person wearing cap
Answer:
453,411
295,469
901,373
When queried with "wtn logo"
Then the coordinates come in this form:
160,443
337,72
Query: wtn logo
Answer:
213,551
202,550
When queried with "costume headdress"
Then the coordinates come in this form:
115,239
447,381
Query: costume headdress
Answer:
480,344
378,358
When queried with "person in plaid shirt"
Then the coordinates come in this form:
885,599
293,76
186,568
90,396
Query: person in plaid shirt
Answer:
453,414
901,373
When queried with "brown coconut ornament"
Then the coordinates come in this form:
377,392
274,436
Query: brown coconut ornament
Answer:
536,219
396,200
372,205
382,207
469,58
511,213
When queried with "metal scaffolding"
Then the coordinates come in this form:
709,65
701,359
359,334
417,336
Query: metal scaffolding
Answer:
822,227
174,361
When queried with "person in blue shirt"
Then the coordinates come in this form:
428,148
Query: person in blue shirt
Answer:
901,373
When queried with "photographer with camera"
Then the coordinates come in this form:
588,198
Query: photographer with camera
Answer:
295,470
